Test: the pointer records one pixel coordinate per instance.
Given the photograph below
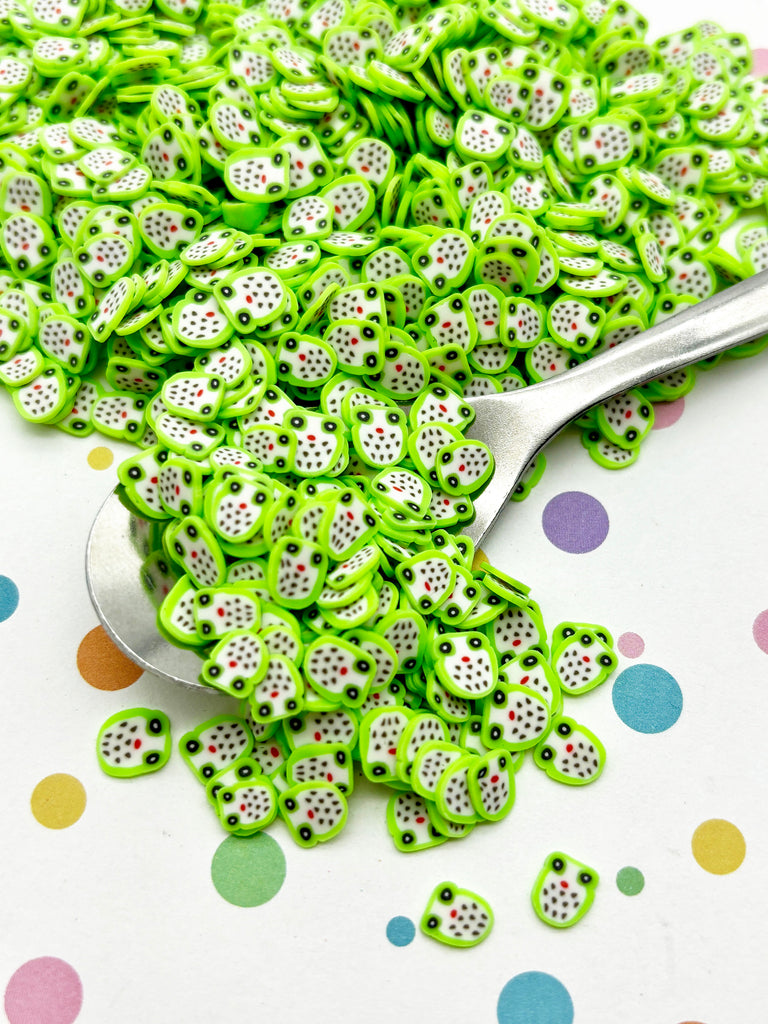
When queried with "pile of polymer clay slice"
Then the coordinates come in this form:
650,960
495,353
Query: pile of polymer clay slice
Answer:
277,248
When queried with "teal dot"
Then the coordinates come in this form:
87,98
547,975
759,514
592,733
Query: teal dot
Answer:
400,931
248,870
630,881
9,598
647,698
534,998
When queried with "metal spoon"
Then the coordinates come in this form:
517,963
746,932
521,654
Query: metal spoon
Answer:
515,425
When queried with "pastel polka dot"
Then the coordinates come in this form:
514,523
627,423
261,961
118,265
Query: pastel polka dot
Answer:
9,598
100,458
667,413
630,645
760,631
400,931
102,665
480,559
534,998
248,870
759,62
647,698
718,846
630,881
44,991
58,801
575,522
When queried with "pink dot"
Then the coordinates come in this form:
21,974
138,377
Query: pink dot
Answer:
44,991
667,413
760,62
760,631
630,645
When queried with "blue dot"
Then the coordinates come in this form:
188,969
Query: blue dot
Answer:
9,598
400,931
647,698
534,998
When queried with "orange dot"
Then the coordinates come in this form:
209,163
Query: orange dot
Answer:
100,458
57,801
102,665
718,846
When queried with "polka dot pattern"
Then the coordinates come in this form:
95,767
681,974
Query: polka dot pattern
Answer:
665,414
100,458
647,698
760,631
630,881
718,846
58,801
102,665
248,871
575,522
534,998
401,931
44,991
630,645
9,598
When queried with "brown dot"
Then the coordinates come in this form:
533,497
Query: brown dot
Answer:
102,665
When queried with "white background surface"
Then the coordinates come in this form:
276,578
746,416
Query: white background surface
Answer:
125,895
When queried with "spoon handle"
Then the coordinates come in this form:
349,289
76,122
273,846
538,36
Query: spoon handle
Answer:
518,424
736,315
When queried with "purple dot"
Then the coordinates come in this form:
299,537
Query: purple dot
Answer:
667,413
760,631
759,62
630,645
44,991
575,522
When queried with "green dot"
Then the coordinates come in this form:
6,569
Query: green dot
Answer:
248,870
630,881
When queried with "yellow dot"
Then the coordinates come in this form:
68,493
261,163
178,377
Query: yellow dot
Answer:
58,801
100,458
480,559
718,846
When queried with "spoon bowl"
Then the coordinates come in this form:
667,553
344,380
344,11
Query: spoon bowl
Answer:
516,426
